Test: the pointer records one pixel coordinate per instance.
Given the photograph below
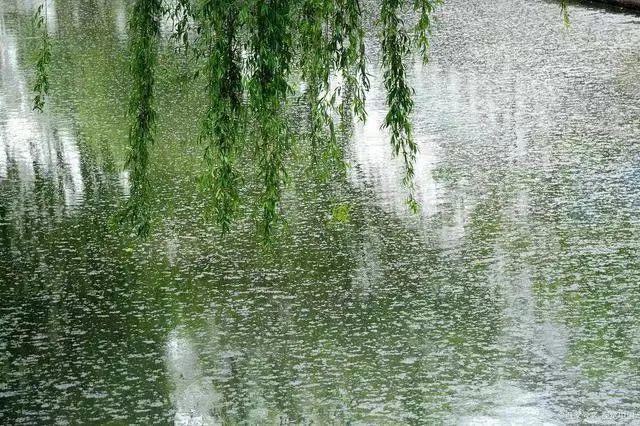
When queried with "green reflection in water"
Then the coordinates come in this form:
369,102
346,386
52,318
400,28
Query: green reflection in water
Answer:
514,296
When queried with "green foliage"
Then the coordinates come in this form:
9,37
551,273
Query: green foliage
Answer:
219,48
181,14
247,52
395,47
270,60
144,27
341,213
43,59
425,9
564,7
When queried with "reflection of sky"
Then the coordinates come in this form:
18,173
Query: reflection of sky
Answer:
528,95
374,161
532,115
193,396
121,19
29,139
30,6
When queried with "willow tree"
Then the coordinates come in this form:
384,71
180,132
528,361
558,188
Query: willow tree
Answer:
247,52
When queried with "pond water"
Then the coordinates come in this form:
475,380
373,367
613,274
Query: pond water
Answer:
512,298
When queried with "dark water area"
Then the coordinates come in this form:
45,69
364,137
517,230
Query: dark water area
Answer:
512,298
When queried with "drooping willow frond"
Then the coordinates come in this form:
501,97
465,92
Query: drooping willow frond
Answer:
220,50
395,48
248,52
43,59
349,48
316,66
425,10
270,61
144,28
564,7
181,13
331,45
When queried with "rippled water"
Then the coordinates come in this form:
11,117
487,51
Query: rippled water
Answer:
513,298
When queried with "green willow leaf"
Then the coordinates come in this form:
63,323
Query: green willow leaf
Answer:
248,52
43,59
270,66
144,28
395,48
564,7
219,46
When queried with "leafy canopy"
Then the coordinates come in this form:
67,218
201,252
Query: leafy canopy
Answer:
247,52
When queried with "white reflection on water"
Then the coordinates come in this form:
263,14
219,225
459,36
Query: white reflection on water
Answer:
29,7
514,406
120,12
375,166
125,183
31,142
193,396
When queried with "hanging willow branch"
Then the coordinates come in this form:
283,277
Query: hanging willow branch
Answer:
564,7
422,29
350,58
316,66
220,129
43,59
270,61
181,13
331,43
247,52
395,47
144,28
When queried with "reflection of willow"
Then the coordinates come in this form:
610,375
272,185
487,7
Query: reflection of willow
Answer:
277,44
46,189
21,206
585,209
420,317
81,331
42,173
300,342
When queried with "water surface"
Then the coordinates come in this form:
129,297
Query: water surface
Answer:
512,298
